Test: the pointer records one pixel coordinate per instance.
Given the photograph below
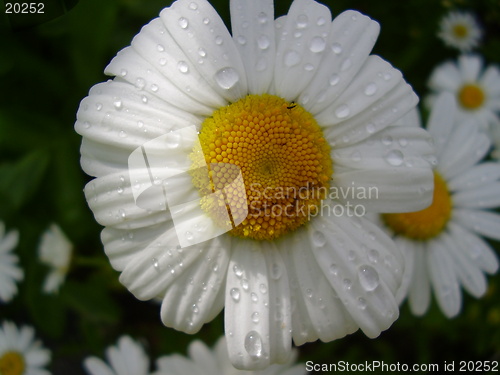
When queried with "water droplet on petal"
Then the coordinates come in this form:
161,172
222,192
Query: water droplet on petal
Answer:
317,44
309,67
370,128
235,294
263,42
202,52
241,40
370,89
347,284
368,277
218,40
173,139
318,238
154,87
346,64
302,21
193,6
183,22
183,67
98,106
275,271
189,236
263,288
342,111
253,344
395,158
195,308
160,48
140,83
262,17
123,72
162,61
321,21
336,48
387,140
334,269
226,78
334,79
291,58
245,284
373,256
255,317
362,303
156,264
123,134
254,297
206,20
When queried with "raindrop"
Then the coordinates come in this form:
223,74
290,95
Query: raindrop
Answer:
122,213
254,297
336,48
160,48
235,294
118,104
140,83
227,77
362,303
321,21
195,308
173,139
183,67
162,61
373,256
342,111
318,238
206,20
86,124
302,21
98,106
253,344
387,140
309,292
309,67
275,271
291,58
317,44
334,79
123,134
237,271
263,288
255,317
241,40
262,18
395,158
218,40
144,99
370,89
156,264
263,42
123,72
183,22
403,142
347,284
154,87
202,52
387,76
189,236
245,284
193,6
334,269
368,277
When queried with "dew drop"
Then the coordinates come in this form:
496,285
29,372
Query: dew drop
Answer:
318,238
334,79
245,284
395,158
241,40
275,271
302,21
206,20
368,277
262,18
237,271
347,284
156,264
195,308
202,52
403,142
218,40
263,42
253,344
362,303
373,256
321,21
263,288
309,67
189,236
183,22
144,99
235,294
162,61
370,128
387,140
123,72
342,111
172,139
370,89
227,78
86,124
317,44
154,87
183,67
254,297
160,48
336,48
334,269
122,134
193,6
140,83
98,106
291,58
255,317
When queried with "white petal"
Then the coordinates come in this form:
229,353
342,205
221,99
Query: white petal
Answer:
9,241
491,80
443,278
189,302
364,267
476,176
468,273
486,196
441,120
408,250
202,27
445,77
96,366
203,356
419,295
247,320
470,67
151,83
478,250
301,45
351,39
374,81
482,222
253,30
318,313
128,357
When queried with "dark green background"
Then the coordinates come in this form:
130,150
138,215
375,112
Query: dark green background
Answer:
47,65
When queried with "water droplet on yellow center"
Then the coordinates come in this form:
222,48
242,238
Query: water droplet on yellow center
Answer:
12,363
283,158
471,96
427,223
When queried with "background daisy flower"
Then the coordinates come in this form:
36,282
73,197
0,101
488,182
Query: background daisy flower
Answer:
127,358
55,251
460,30
476,89
286,101
205,361
443,245
10,272
20,353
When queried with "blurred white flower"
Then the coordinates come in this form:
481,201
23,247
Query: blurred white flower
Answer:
20,353
55,251
442,244
205,361
476,89
10,272
460,30
302,109
127,358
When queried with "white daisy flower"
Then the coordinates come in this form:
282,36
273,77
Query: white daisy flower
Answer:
20,353
127,358
205,361
460,30
442,244
303,112
476,90
55,251
10,273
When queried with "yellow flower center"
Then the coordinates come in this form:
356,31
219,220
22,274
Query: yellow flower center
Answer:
283,158
12,363
460,31
428,223
471,96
